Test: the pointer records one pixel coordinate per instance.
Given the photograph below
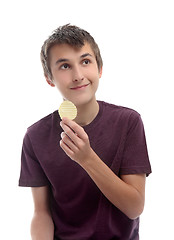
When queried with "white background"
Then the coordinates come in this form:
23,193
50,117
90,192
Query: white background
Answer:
136,39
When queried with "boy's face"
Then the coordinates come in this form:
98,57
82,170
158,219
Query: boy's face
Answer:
75,72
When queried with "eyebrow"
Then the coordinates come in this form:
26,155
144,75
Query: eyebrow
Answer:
60,60
86,55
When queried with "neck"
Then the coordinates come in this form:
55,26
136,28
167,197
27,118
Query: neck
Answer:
87,113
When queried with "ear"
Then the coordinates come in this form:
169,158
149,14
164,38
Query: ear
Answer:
49,81
100,72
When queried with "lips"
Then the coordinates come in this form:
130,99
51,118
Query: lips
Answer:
79,87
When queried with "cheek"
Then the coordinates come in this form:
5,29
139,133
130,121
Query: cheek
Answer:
61,80
94,78
61,86
93,73
94,83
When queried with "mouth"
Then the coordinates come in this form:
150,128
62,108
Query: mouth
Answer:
79,87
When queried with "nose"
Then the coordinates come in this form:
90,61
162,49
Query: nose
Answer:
77,74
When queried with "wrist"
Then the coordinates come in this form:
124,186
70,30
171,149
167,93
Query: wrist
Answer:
90,161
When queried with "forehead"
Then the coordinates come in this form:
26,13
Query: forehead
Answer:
68,52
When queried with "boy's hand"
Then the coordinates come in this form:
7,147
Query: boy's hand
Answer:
75,141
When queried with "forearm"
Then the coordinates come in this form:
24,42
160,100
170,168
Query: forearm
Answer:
124,196
42,226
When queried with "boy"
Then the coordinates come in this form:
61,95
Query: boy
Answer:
87,175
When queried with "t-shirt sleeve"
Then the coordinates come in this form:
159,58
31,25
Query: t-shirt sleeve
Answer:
32,174
135,159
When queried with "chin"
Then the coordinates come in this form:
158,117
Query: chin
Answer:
81,99
79,102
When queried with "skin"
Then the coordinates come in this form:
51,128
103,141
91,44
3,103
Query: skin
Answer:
127,193
42,226
71,68
78,70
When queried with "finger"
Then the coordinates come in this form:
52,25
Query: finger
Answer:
70,133
75,127
68,142
66,149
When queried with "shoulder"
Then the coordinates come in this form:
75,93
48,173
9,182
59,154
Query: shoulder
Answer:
43,125
120,112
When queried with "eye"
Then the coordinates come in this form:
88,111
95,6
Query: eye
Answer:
86,62
65,66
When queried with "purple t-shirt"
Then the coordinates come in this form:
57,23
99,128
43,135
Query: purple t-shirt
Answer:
79,209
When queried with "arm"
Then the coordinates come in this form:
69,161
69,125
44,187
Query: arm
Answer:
126,193
42,226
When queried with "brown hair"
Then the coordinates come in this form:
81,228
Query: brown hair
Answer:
72,35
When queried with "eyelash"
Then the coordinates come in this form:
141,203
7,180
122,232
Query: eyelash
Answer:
86,60
67,65
63,65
